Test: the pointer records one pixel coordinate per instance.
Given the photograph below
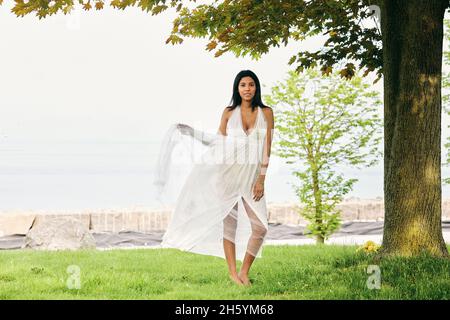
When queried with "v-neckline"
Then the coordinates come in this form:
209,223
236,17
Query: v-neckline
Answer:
242,123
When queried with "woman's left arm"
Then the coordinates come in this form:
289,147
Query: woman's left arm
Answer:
259,185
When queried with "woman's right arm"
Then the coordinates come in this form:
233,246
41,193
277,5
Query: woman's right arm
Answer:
223,122
199,135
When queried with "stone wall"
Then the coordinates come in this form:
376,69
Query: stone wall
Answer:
153,220
351,209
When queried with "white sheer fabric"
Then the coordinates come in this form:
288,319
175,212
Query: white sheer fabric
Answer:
216,199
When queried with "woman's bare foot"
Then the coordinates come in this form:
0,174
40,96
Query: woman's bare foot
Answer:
245,280
236,279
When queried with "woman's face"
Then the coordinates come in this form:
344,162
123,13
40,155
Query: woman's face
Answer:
247,88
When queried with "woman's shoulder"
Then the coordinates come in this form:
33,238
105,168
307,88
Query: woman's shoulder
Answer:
268,114
227,113
228,110
267,110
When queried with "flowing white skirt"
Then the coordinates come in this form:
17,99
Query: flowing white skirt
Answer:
205,212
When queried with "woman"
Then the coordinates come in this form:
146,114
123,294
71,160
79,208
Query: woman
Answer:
221,209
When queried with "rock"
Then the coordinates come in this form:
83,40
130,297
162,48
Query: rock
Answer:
12,223
59,233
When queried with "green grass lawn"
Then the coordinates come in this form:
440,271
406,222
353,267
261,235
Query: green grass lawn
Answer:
284,272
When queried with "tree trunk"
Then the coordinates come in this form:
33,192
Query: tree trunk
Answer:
320,239
412,32
317,205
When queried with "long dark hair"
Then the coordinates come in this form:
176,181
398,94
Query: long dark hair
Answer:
236,99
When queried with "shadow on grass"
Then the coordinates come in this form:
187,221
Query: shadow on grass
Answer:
339,272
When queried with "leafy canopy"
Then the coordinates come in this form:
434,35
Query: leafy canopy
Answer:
251,27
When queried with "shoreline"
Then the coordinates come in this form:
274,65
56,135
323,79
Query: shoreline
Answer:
144,219
350,233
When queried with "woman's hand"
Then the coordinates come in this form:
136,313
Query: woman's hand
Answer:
258,190
185,129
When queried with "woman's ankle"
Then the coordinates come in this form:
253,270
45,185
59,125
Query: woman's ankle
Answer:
243,272
233,273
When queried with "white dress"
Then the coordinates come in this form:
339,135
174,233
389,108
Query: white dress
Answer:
210,206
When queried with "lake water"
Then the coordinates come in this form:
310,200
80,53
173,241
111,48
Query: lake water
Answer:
102,175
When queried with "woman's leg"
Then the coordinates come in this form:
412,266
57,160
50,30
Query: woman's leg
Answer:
254,243
229,238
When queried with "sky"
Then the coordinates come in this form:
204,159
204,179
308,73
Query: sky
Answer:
108,76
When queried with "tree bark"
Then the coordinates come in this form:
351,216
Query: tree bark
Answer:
412,33
318,206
